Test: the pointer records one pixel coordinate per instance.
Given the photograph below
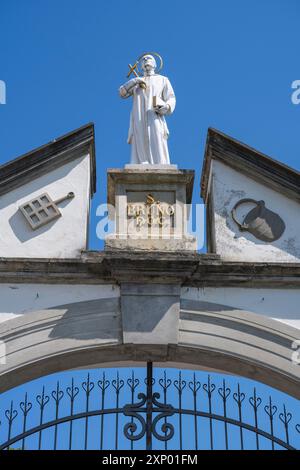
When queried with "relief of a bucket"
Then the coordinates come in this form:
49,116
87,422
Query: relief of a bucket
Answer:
261,222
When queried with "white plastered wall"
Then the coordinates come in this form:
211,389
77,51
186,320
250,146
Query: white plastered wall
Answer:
230,186
279,304
63,238
20,299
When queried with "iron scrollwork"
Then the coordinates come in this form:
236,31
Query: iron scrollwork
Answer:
165,411
134,412
145,405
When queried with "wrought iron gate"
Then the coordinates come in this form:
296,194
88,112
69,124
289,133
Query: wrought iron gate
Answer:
201,415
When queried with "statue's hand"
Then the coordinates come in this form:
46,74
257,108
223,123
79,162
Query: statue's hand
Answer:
161,110
126,90
141,82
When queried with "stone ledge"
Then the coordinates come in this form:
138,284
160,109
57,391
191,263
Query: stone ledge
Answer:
146,167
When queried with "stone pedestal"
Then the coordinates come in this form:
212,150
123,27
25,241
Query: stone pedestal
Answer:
150,206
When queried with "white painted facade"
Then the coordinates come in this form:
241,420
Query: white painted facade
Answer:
228,187
64,237
278,304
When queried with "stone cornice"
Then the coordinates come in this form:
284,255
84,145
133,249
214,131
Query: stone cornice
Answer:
188,269
47,158
249,161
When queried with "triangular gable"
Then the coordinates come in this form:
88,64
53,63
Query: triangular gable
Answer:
48,157
45,198
249,161
253,203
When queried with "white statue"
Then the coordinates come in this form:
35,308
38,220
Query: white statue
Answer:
153,98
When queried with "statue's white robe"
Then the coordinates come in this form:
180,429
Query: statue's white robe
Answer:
148,131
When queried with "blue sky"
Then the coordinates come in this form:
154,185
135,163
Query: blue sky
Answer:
231,63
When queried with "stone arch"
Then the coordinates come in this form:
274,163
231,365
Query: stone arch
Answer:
90,334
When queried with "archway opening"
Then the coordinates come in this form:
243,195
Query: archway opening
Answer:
147,407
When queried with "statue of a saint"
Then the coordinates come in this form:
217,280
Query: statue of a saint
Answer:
153,98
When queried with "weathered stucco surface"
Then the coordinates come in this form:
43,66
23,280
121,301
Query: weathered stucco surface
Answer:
229,186
279,304
20,299
62,238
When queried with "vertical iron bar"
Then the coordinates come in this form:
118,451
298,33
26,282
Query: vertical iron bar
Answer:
87,386
25,407
87,410
117,384
132,401
102,416
180,385
255,406
41,417
271,424
57,396
117,416
195,390
287,428
42,400
224,392
41,422
209,389
271,411
210,419
180,415
149,406
24,420
72,392
195,422
194,387
165,384
239,399
240,419
56,417
285,419
103,384
10,415
71,414
165,402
